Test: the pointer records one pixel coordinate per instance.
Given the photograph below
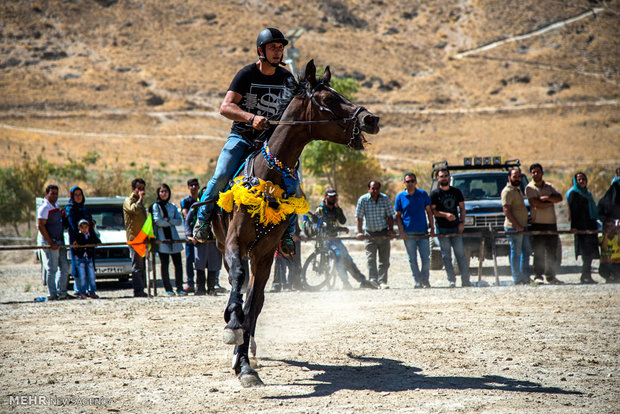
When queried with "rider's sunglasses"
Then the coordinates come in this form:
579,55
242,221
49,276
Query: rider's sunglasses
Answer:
410,181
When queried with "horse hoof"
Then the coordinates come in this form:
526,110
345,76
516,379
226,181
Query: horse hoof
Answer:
250,380
253,362
233,336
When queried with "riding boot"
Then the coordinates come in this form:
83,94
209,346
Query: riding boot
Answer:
287,245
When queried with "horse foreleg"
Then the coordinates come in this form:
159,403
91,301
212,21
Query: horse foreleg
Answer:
244,360
233,314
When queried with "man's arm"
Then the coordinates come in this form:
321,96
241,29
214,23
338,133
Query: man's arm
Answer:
231,110
462,222
508,213
43,230
399,223
390,221
431,221
360,232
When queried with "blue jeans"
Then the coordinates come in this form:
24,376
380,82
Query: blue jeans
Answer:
447,244
57,268
520,250
86,270
75,273
413,246
189,264
235,150
343,258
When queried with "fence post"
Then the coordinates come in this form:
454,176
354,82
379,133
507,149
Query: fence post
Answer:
154,271
148,273
481,258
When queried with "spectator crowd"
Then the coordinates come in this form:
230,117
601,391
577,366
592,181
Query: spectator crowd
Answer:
417,214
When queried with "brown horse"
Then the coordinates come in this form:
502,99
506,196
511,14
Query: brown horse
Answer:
314,111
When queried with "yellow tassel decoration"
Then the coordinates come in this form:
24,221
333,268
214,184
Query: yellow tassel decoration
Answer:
255,201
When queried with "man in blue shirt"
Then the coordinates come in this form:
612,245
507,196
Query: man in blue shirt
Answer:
413,216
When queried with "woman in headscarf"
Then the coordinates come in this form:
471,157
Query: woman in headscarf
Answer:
165,217
583,215
74,212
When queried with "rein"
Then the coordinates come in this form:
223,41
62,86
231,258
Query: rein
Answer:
355,129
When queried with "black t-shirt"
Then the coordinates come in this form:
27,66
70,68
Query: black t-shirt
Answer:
447,202
260,94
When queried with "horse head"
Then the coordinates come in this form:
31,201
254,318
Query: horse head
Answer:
342,121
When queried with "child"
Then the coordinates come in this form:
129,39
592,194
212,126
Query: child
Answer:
86,260
610,252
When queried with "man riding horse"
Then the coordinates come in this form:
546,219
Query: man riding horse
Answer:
257,208
252,97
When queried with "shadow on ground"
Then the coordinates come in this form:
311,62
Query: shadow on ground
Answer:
389,375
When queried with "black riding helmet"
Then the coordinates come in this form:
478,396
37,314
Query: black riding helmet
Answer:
270,35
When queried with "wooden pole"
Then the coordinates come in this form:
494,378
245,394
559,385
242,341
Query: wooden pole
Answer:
481,258
154,274
148,274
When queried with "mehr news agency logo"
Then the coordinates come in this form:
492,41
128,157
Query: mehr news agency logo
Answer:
53,400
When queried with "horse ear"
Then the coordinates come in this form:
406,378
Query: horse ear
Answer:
310,74
327,75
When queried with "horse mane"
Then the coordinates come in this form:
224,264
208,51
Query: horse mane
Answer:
292,88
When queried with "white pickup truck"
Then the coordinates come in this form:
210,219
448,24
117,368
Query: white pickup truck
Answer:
111,262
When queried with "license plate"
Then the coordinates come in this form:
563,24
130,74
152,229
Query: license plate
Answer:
109,270
502,240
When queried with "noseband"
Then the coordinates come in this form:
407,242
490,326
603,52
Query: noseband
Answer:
351,124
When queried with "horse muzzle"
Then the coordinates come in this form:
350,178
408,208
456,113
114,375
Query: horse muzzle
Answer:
368,122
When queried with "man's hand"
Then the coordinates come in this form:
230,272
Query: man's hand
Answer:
461,227
141,195
54,246
192,239
401,234
391,233
432,233
360,236
260,122
450,217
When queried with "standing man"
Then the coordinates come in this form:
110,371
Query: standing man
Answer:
513,204
250,100
542,196
333,219
446,201
49,223
193,186
375,225
135,216
413,208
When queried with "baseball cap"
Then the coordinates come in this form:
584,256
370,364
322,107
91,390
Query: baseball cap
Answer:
83,221
330,192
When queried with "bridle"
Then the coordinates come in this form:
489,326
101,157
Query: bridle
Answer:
351,127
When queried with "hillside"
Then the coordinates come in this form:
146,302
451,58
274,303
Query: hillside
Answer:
142,82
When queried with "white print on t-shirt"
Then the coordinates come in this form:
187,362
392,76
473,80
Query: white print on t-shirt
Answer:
269,97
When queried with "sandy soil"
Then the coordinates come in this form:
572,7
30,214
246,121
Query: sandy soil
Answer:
484,349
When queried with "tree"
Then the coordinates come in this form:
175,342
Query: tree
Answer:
13,199
31,176
338,166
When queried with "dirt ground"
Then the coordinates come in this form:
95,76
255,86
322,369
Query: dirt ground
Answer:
493,349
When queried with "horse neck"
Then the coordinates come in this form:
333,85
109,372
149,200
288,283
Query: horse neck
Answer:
287,141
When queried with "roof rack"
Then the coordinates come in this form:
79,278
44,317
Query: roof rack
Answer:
477,163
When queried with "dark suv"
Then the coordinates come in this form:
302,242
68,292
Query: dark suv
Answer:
481,181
